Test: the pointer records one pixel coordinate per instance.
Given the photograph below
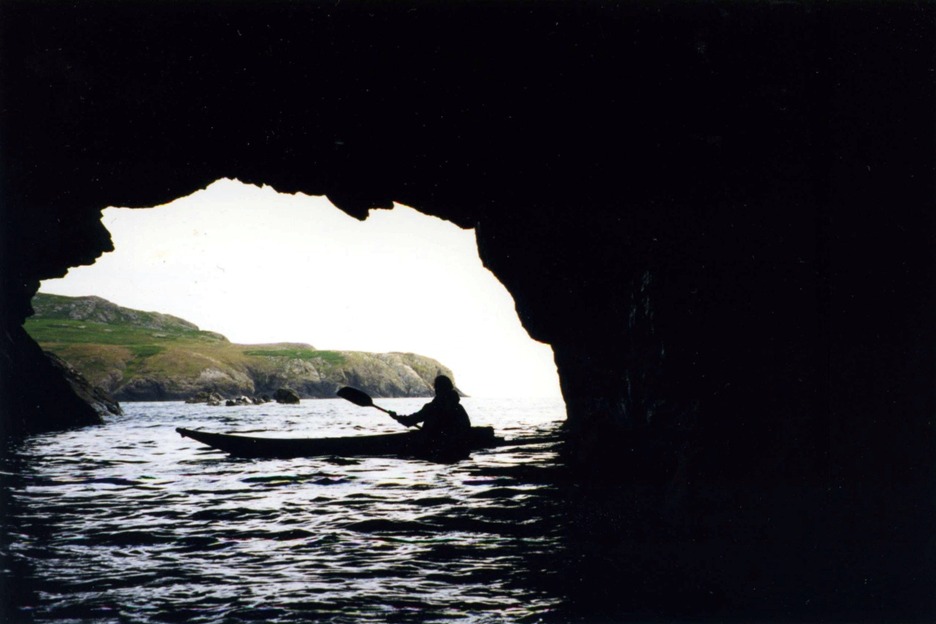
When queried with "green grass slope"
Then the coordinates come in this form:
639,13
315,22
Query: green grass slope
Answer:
149,356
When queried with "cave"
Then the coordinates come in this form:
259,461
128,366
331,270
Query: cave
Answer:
229,256
719,215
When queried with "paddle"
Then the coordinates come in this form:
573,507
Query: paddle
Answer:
359,397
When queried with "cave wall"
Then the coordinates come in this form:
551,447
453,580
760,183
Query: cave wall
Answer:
720,215
703,207
677,193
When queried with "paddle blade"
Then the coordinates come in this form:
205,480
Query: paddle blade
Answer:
356,396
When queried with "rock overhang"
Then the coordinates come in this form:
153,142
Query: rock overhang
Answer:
652,184
693,203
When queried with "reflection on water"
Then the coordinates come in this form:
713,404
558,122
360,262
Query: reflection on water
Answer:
130,523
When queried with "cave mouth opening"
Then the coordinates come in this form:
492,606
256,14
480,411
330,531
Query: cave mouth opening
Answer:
262,267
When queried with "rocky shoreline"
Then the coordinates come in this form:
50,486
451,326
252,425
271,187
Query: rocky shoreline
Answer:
286,396
133,355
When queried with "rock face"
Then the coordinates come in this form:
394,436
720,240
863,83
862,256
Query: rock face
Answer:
102,402
718,214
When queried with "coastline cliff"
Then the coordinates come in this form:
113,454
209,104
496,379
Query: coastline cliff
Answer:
149,356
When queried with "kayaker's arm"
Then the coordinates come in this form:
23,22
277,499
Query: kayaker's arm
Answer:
410,421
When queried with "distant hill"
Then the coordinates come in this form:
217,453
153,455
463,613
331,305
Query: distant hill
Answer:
149,356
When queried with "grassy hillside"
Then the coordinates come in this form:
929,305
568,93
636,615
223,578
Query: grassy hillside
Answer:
138,355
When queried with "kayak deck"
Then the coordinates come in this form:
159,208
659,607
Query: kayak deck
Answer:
408,444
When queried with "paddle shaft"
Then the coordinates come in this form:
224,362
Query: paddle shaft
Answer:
390,414
362,399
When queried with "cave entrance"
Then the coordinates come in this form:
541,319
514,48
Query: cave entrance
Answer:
262,267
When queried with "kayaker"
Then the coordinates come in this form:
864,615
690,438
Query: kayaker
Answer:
446,426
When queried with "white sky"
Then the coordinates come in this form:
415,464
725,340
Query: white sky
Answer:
261,267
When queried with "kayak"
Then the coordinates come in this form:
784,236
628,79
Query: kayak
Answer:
408,444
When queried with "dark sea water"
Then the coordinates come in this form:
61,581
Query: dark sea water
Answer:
129,522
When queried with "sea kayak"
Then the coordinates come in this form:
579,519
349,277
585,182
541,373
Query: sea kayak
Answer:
407,444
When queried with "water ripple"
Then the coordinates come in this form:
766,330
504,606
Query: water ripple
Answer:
130,523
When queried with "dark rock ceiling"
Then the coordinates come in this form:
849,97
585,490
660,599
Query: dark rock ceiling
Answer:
718,213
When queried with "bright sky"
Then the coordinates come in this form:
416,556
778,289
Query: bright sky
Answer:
261,267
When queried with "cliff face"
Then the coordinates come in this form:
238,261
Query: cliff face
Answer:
149,356
718,214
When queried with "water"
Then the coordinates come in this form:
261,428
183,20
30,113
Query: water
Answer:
129,522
